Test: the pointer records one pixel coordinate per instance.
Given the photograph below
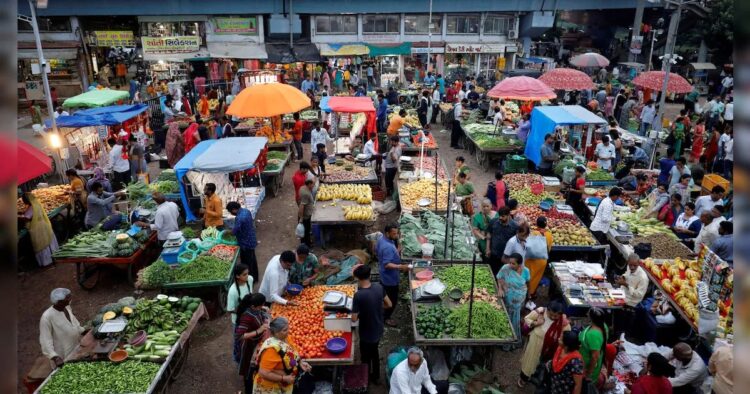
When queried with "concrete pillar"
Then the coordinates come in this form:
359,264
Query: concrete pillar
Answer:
702,52
526,41
636,27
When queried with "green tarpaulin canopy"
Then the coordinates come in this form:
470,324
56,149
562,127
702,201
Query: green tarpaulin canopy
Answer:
386,49
96,98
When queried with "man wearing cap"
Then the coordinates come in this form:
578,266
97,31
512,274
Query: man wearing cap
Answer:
59,330
690,370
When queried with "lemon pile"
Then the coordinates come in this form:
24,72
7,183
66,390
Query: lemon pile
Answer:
362,194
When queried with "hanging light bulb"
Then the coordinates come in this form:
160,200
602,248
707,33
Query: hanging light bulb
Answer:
54,140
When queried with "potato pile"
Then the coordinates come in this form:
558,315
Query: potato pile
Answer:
50,197
411,193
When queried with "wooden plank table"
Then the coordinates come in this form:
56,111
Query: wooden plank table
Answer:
327,215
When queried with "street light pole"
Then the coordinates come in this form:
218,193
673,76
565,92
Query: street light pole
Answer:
43,66
674,22
429,38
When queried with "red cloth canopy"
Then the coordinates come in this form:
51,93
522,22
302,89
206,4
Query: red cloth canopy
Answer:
522,88
351,104
654,80
31,162
567,79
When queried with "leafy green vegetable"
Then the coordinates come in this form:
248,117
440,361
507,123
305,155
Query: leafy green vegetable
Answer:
156,274
167,187
188,232
459,276
488,321
203,268
138,191
276,155
102,377
167,175
599,175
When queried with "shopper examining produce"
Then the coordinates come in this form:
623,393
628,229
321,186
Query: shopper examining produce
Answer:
604,214
305,269
244,231
706,203
100,205
501,229
59,330
276,278
43,239
367,307
512,283
251,327
279,363
212,208
242,285
389,264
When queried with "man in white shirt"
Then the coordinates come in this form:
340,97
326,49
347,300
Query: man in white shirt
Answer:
59,330
710,231
120,166
690,370
634,281
605,213
461,94
276,278
604,152
412,374
59,111
456,131
318,135
706,203
165,218
726,84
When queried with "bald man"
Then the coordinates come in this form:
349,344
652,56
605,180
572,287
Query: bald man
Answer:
165,219
690,370
59,330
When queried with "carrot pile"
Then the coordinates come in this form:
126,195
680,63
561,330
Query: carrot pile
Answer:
306,329
223,252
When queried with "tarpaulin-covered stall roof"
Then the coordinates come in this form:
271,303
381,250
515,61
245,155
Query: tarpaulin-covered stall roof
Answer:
96,98
545,119
100,116
218,156
351,105
389,49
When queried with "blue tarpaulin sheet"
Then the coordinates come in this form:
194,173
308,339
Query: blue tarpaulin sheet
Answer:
100,116
545,119
324,104
218,156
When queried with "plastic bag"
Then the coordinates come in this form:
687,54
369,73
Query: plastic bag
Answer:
536,247
300,230
707,321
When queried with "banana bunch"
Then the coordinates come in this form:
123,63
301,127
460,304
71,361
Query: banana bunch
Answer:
412,121
358,212
362,194
154,316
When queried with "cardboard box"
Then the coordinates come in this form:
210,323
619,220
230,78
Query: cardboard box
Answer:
333,323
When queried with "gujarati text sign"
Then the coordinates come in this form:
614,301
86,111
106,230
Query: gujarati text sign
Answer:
177,44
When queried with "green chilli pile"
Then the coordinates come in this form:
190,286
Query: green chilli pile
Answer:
488,321
102,377
459,276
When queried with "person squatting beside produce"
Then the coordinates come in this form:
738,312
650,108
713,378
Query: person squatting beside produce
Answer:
368,305
244,231
59,330
100,207
412,375
306,267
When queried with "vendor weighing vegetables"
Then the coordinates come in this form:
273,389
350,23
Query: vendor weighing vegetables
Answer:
165,220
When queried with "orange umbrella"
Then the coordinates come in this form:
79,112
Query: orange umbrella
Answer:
267,100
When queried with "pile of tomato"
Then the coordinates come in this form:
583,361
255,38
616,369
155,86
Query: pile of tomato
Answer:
306,329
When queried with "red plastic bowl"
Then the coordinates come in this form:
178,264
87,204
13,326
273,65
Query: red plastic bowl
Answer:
336,345
425,275
139,338
118,356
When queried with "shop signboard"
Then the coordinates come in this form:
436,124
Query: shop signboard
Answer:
474,48
244,26
114,39
636,44
428,50
177,44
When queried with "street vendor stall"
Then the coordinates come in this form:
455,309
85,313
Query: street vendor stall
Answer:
343,205
578,123
213,161
115,357
433,237
350,117
273,173
97,98
584,285
457,305
490,143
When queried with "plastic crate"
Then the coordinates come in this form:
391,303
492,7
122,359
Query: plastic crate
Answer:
711,180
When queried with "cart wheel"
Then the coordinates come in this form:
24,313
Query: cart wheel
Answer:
132,273
486,161
179,364
87,277
222,299
479,154
275,185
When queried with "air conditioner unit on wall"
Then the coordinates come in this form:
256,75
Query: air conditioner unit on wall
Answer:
512,34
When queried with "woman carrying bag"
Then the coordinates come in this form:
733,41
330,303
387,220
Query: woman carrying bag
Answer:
545,327
538,246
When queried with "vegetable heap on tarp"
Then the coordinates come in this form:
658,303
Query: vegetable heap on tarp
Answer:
430,228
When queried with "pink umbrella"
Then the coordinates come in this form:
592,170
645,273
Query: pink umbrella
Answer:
589,59
522,88
654,80
567,79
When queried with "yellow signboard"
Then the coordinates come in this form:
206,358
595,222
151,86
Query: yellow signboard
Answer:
500,63
114,39
177,44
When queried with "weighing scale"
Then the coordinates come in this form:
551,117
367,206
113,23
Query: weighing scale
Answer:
430,291
337,302
112,329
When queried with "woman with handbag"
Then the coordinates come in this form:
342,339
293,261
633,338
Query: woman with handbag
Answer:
250,330
544,327
566,375
279,363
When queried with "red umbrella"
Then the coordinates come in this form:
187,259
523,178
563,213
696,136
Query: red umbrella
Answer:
654,80
589,59
522,88
31,162
567,79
